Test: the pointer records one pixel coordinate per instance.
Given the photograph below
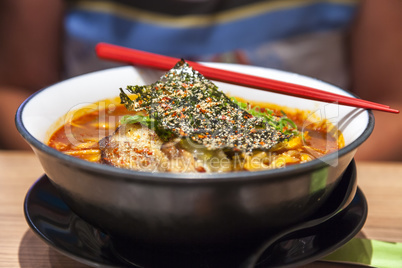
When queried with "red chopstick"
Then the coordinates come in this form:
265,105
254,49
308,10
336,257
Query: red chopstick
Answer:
147,59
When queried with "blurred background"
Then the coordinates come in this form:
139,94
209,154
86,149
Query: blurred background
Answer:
355,45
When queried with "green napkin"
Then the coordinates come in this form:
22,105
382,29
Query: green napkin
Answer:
369,252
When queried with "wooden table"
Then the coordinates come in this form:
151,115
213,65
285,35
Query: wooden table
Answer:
381,183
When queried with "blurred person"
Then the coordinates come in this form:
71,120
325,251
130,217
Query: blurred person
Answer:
376,67
352,44
30,57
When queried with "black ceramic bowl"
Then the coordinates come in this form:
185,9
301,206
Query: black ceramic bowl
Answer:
188,209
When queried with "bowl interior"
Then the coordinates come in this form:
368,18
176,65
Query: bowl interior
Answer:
40,112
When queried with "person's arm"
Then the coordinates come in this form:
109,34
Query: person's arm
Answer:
30,34
377,73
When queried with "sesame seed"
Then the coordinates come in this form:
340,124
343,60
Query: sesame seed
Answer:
201,112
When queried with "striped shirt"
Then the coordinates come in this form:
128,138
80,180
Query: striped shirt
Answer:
303,36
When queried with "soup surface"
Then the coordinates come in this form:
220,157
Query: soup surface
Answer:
81,136
184,123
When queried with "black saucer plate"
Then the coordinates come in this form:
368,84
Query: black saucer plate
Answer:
52,220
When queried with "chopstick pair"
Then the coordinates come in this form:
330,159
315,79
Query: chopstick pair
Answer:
147,59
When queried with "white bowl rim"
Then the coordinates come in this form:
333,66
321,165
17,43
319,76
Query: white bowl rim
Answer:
190,177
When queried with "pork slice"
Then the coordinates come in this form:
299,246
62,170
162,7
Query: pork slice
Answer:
133,146
136,147
180,160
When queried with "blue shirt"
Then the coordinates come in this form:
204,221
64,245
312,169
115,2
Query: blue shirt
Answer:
306,37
